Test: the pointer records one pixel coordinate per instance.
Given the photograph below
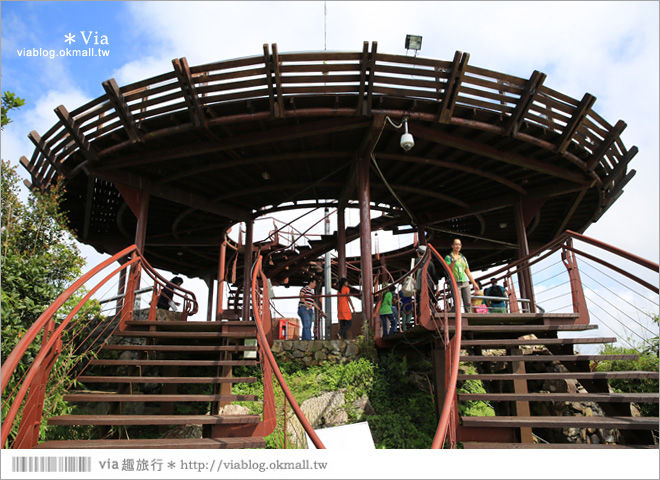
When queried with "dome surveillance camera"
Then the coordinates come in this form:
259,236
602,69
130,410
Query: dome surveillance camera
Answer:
407,141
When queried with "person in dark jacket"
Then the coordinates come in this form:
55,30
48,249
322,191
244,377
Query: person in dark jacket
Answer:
166,299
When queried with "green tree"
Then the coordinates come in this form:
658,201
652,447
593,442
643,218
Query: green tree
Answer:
9,101
39,261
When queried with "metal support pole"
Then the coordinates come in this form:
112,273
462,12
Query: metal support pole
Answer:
219,309
366,263
247,269
328,283
341,242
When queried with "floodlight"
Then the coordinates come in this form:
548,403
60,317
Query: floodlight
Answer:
413,42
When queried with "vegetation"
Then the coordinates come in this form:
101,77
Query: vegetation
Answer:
647,361
404,415
9,102
39,261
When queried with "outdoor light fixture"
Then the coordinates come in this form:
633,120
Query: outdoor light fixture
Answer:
414,42
407,140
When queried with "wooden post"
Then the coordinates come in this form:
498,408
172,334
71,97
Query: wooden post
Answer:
247,268
221,279
365,237
341,242
522,407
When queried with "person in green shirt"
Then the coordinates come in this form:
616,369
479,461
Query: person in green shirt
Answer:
386,312
459,267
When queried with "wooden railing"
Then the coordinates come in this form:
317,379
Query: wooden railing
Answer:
28,395
278,85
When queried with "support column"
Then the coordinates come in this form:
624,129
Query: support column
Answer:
219,309
327,320
141,228
209,304
247,268
341,242
525,274
366,263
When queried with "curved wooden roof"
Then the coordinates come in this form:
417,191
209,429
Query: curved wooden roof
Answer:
224,142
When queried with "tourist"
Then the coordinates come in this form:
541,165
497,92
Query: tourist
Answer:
166,298
495,290
306,307
345,307
406,310
458,265
478,305
385,311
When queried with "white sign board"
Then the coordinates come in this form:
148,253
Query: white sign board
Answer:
356,436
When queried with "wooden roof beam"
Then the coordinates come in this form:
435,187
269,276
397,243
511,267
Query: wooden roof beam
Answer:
372,74
190,96
281,112
453,166
73,129
518,160
452,86
116,99
524,103
620,167
364,62
502,201
269,81
41,165
247,140
173,194
571,211
579,114
605,145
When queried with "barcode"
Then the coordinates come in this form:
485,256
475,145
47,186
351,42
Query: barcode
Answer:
51,464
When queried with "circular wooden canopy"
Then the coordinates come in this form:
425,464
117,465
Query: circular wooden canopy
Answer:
226,142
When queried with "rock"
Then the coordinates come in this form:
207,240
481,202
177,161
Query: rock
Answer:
336,418
233,410
351,350
319,355
363,405
185,431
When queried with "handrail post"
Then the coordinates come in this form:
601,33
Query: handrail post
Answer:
511,293
577,293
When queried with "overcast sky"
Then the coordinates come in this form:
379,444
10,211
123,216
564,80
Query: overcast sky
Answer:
608,49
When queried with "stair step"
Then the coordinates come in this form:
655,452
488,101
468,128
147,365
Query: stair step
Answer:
179,335
622,423
154,420
160,443
182,348
536,341
557,375
544,358
116,397
550,446
524,328
197,326
561,397
107,379
182,363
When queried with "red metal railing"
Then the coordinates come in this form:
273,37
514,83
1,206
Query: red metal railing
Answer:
261,310
52,325
431,317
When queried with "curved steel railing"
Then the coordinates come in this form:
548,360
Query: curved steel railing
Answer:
37,375
261,310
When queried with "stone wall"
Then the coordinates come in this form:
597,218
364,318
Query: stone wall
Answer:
315,352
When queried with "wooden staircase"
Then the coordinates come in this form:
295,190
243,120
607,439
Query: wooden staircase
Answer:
136,386
502,347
